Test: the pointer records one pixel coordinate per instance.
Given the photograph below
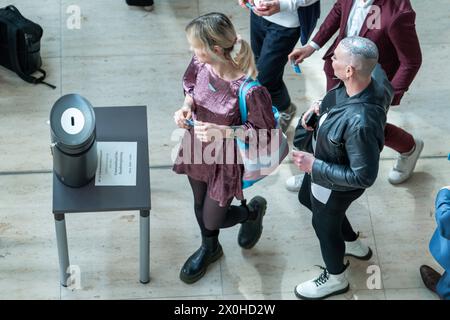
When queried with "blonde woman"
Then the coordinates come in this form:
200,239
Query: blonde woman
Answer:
222,62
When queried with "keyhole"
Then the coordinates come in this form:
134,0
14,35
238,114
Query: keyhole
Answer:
72,120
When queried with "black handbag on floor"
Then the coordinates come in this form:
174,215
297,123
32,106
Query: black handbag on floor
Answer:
20,44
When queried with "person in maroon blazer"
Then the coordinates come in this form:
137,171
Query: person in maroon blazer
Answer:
390,24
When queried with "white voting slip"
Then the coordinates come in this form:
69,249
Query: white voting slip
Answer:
117,163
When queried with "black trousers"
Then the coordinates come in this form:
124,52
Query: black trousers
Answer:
271,45
330,223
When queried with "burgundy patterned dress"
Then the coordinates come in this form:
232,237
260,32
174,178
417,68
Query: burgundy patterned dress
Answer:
216,101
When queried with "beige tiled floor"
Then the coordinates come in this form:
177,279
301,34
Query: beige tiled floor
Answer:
125,56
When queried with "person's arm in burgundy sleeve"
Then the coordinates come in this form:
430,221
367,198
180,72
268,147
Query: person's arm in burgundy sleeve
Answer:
330,25
190,76
259,109
259,114
403,35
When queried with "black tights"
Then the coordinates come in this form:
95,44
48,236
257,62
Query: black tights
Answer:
210,216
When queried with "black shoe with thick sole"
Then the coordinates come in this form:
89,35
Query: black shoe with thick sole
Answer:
251,230
196,265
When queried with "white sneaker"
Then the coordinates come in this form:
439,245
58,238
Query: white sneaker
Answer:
294,183
326,285
405,164
358,250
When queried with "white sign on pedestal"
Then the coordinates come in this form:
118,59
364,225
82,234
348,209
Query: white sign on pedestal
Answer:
117,163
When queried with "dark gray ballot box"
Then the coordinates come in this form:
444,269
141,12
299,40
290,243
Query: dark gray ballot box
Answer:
126,124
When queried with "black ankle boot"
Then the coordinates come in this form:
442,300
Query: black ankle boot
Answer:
251,230
195,266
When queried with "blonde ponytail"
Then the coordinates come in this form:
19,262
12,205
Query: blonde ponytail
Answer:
216,29
245,60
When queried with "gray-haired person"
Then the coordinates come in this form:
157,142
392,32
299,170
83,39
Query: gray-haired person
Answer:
341,159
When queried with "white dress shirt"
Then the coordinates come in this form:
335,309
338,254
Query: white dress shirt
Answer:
358,14
356,19
288,16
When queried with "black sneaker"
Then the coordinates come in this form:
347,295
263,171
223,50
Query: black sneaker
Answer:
251,230
286,117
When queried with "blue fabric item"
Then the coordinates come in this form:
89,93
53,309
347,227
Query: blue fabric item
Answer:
243,90
443,286
440,243
308,17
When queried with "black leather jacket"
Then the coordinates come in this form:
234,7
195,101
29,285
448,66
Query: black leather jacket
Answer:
351,138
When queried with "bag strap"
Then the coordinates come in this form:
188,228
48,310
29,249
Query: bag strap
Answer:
243,90
12,44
